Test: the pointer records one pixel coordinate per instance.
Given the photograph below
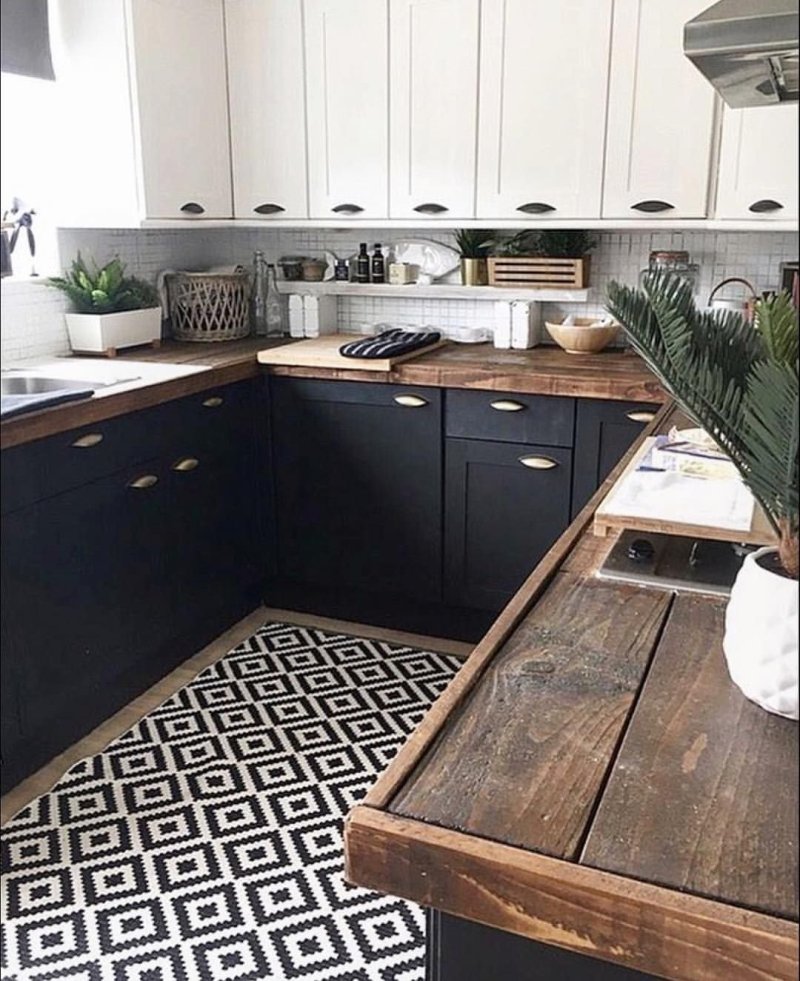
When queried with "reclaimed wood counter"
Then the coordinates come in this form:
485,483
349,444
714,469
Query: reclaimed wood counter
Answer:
617,374
593,780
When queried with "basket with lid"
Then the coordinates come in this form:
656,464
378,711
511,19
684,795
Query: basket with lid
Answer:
208,306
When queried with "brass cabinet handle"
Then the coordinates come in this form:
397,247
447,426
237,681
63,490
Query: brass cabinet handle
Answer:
144,483
186,464
213,402
410,401
538,462
642,416
90,439
506,405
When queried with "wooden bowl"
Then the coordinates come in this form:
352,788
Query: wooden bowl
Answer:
581,338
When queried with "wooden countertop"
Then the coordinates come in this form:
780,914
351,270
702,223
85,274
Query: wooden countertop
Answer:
594,780
543,371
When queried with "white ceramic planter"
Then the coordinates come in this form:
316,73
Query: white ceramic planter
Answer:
761,637
104,333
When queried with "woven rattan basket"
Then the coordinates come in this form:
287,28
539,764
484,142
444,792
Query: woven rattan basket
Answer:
208,306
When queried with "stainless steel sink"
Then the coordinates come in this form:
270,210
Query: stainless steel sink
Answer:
40,385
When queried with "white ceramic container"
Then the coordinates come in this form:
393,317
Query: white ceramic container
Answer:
101,333
761,637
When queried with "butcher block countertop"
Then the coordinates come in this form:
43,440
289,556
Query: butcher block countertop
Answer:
592,779
540,371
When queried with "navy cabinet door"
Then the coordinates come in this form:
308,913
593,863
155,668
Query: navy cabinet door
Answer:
358,486
84,575
604,432
506,503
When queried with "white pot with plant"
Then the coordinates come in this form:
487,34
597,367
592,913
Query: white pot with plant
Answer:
739,381
111,310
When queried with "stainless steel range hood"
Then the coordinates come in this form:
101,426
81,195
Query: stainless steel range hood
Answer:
747,49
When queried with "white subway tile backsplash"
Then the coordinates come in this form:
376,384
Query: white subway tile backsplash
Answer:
32,314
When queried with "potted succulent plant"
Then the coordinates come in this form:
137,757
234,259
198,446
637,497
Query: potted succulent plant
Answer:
111,310
739,381
474,245
553,257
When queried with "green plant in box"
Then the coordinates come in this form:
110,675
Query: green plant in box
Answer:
104,289
474,243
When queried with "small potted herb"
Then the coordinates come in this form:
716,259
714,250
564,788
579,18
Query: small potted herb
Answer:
553,257
111,310
474,245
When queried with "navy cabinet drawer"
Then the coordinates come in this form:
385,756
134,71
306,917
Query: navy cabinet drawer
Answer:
216,421
46,467
505,416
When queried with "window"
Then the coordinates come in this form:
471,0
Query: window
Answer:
30,149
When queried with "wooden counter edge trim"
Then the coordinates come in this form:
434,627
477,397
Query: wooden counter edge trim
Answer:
415,746
598,914
71,415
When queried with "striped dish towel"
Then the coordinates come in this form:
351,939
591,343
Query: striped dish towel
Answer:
390,344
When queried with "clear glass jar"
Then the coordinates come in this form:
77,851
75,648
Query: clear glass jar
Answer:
674,261
259,289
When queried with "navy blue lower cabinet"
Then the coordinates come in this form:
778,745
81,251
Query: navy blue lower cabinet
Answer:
505,505
460,950
604,432
358,478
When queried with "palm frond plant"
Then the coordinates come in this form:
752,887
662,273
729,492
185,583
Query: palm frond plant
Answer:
104,289
737,380
564,243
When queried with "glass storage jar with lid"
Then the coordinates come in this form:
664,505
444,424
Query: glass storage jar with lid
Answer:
676,261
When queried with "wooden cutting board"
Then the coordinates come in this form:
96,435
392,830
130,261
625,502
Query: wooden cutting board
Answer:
609,518
323,352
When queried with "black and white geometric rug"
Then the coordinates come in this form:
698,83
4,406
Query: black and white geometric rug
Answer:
205,843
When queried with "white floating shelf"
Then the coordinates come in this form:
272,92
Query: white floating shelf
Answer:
435,291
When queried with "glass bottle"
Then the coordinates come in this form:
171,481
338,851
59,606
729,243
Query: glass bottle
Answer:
378,265
258,295
276,326
362,264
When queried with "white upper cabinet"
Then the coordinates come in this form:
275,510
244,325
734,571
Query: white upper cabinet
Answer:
434,113
347,91
544,69
266,90
660,115
181,107
149,77
758,163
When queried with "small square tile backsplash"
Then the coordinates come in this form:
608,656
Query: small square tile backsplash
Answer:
32,318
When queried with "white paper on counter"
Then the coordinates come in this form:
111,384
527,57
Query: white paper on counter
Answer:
724,503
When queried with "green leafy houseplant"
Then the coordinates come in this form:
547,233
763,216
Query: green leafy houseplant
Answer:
554,243
737,380
104,289
474,243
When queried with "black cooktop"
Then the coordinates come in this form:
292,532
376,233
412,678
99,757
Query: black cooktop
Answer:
674,562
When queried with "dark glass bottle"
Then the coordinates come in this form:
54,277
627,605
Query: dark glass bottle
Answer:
378,265
362,264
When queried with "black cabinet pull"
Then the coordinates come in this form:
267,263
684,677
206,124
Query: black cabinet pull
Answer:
431,209
652,207
765,204
193,208
268,209
347,209
536,208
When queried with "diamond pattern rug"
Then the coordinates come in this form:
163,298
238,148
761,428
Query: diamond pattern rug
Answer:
205,842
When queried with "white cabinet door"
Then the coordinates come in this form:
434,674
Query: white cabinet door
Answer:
347,86
181,107
660,115
758,163
267,105
544,68
434,113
